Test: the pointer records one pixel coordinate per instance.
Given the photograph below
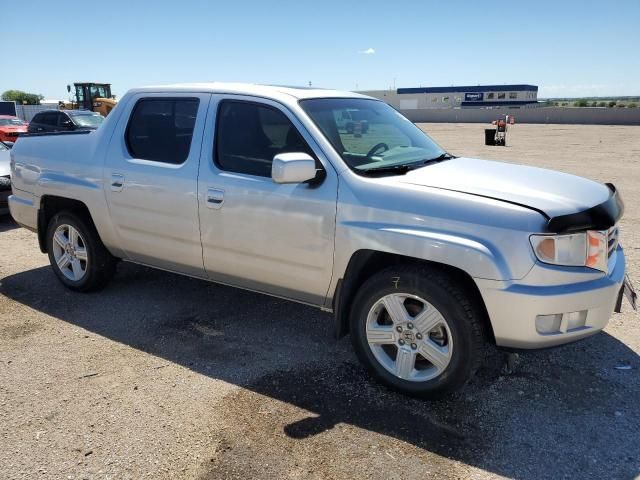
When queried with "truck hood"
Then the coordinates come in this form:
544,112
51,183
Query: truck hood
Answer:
553,193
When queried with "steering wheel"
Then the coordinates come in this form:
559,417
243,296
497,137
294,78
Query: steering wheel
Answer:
377,147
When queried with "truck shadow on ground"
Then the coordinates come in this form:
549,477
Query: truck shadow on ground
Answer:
7,223
566,412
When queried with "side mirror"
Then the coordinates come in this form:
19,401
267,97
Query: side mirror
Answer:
68,124
295,167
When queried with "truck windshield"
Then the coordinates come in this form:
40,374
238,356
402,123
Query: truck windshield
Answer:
371,136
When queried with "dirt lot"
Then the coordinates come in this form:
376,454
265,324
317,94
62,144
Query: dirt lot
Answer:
161,376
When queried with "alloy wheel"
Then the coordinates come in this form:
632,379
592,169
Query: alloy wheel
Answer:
409,337
70,252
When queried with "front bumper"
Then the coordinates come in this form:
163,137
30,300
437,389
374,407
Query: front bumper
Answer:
584,307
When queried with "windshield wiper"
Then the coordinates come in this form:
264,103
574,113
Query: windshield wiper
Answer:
404,168
439,158
394,169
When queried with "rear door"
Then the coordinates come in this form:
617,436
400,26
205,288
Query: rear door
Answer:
151,174
43,122
258,234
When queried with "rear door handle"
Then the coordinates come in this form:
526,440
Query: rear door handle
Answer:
117,182
215,198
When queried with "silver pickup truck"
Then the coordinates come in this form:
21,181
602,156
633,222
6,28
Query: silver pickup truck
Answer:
422,257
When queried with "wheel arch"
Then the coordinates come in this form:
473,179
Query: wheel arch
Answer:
365,263
50,205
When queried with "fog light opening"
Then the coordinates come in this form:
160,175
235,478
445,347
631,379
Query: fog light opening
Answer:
573,321
561,322
546,324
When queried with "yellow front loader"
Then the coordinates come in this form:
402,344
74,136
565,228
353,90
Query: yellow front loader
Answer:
91,96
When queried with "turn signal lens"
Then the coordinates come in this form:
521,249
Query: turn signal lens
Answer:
597,250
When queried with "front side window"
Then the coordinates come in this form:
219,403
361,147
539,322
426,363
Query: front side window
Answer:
249,135
383,139
64,121
158,131
490,95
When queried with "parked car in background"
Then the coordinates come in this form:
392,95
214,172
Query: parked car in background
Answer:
63,121
11,128
5,178
422,256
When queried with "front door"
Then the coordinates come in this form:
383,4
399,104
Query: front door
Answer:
258,234
151,172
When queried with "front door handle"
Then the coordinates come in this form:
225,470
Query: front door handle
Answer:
215,198
117,182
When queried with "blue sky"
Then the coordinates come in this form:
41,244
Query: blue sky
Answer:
568,48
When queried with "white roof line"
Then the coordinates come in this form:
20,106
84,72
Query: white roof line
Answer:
251,89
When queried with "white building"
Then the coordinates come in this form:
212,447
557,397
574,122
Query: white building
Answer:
478,96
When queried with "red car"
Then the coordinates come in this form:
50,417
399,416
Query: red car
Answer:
11,128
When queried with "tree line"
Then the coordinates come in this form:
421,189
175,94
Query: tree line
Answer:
22,98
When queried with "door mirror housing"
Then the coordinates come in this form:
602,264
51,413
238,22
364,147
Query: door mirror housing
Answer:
294,167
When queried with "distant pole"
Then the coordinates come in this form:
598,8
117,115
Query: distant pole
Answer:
309,82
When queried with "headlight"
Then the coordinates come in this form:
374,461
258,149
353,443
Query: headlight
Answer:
585,249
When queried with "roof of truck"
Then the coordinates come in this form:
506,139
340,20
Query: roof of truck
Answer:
252,89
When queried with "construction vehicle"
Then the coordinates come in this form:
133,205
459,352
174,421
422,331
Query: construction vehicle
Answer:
91,96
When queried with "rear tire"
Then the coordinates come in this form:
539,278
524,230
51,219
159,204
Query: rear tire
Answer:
418,330
76,253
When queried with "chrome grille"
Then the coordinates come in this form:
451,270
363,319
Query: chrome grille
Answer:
612,240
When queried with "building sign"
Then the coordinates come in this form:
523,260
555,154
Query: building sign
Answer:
474,97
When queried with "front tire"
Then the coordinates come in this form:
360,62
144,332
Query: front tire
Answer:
418,330
76,253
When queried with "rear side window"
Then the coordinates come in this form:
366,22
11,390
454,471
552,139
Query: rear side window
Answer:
37,118
47,118
160,129
249,135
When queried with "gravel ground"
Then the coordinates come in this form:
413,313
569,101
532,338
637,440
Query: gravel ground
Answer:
162,376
